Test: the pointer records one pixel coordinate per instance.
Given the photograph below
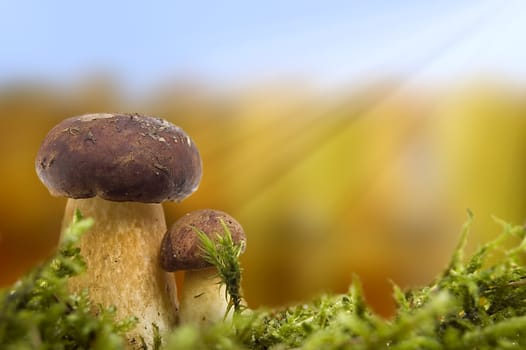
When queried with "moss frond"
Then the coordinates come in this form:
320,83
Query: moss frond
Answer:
224,254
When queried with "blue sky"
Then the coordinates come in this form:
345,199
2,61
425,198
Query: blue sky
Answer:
227,42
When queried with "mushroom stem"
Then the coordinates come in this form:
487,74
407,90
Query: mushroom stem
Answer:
203,298
122,256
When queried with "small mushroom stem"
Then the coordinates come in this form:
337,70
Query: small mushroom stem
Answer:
203,298
122,255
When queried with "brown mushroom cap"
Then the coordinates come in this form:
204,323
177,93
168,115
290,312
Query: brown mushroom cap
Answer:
119,157
180,248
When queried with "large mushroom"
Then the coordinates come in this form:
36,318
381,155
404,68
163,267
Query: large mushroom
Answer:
203,298
117,169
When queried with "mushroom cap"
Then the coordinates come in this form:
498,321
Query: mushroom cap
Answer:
181,247
119,157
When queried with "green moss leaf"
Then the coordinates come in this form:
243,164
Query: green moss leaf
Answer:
224,254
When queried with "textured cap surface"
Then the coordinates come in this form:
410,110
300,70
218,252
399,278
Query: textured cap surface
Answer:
119,157
180,248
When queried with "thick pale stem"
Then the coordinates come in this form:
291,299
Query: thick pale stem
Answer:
122,256
203,299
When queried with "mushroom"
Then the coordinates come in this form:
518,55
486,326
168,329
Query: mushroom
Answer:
203,298
117,169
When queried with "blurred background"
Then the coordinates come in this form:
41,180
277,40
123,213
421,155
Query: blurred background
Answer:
345,136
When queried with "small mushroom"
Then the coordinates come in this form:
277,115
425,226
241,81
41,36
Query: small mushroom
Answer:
203,299
117,168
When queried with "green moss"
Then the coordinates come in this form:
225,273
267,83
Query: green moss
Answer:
477,302
39,313
473,304
224,255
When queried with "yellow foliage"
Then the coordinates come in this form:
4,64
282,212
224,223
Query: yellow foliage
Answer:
375,183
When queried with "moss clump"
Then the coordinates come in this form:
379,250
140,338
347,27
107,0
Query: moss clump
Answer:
39,313
473,304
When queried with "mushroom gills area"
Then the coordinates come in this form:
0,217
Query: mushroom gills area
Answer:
122,255
203,299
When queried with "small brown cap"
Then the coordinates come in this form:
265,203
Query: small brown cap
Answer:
119,157
181,248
